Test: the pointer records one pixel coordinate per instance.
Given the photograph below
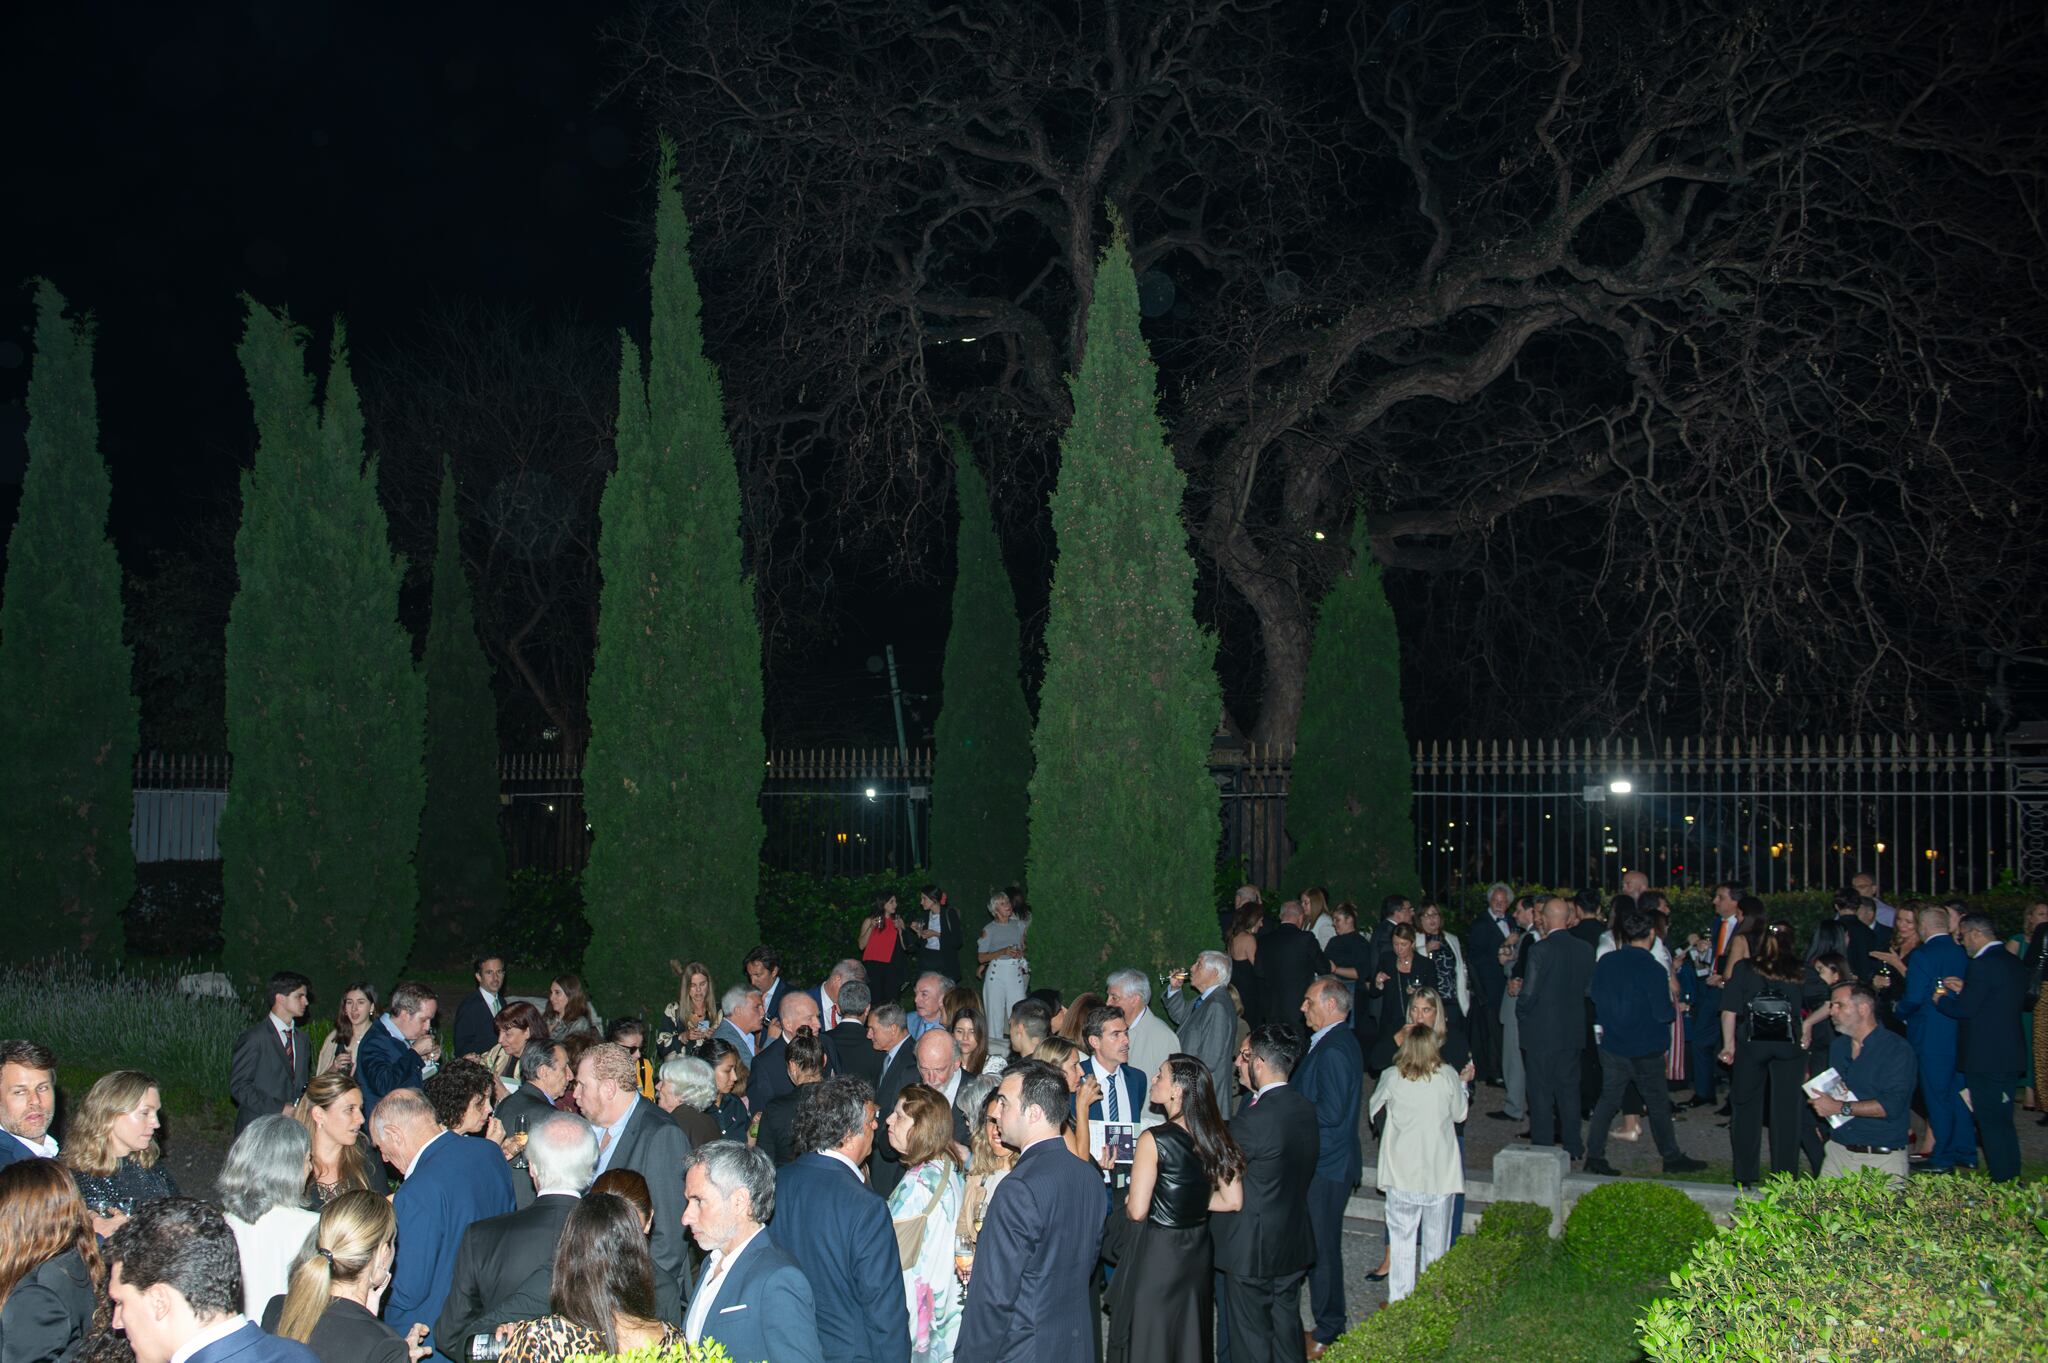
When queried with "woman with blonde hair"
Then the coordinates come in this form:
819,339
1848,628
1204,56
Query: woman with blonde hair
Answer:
1419,1169
111,1149
341,1160
1066,1057
338,1285
50,1269
925,1206
693,1016
1006,974
1315,915
988,1161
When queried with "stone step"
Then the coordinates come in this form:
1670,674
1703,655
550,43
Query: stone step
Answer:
1718,1198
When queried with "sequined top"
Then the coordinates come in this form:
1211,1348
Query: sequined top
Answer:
130,1186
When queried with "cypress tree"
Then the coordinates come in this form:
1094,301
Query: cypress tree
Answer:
1351,800
461,857
67,768
672,779
1124,825
325,709
981,763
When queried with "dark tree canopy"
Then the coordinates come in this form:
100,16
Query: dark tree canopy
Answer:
1684,356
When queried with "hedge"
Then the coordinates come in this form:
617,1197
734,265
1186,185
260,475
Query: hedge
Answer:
1471,1276
1634,1229
1841,1268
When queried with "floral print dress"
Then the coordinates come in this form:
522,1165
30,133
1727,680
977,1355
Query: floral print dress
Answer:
931,1289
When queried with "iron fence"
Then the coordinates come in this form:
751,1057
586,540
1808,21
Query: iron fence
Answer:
1924,814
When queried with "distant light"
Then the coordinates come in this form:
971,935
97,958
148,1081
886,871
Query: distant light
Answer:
1880,849
1320,535
871,792
1932,854
1688,818
1621,785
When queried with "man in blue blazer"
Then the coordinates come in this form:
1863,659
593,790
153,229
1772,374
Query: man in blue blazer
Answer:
174,1279
1027,1294
1933,1034
28,1100
395,1048
837,1229
451,1182
1987,1000
1332,1077
750,1297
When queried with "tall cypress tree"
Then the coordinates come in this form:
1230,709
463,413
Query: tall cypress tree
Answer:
1351,800
981,761
461,859
1124,824
325,709
67,767
672,779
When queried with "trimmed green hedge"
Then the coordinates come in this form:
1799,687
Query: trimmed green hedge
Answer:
1467,1279
1845,1268
1630,1230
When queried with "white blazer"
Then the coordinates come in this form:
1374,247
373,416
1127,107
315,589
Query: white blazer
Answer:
1419,1148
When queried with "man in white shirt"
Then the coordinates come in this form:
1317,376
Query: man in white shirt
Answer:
827,994
28,1099
271,1062
1121,1109
751,1297
476,1017
938,1066
1130,993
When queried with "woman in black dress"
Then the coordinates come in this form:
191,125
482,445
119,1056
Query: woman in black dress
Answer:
1161,1301
111,1149
1401,971
50,1266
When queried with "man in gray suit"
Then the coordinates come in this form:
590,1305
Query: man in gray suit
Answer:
272,1061
1552,1012
633,1133
1207,1022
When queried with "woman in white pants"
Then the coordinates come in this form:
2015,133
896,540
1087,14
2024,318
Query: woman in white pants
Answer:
1006,973
1420,1170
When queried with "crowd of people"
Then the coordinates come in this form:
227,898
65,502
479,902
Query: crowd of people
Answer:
993,1171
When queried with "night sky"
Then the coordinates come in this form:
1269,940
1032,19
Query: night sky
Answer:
353,158
366,159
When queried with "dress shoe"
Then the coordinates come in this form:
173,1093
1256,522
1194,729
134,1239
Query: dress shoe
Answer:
1596,1165
1683,1164
1311,1347
1700,1102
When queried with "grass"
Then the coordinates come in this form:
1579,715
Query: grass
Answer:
1554,1312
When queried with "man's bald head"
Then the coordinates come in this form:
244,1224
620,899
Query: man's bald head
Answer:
938,1057
798,1010
1290,912
1557,914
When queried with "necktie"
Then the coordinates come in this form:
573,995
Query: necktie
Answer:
287,1048
1110,1094
604,1140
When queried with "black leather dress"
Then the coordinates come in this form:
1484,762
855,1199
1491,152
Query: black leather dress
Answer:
1161,1304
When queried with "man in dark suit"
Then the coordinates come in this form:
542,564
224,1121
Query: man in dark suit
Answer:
1933,1035
1987,1000
1123,1087
28,1100
1489,979
751,1297
1264,1251
1207,1022
450,1182
174,1279
826,995
764,972
395,1048
889,1037
776,1134
271,1062
849,1037
505,1265
1552,1013
544,1076
769,1078
476,1017
837,1230
1331,1077
1703,1024
1289,957
633,1133
1027,1293
1862,938
1395,910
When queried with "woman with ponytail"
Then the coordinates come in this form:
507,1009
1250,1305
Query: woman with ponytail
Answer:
338,1285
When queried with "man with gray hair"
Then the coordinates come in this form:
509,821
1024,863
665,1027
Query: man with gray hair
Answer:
685,1090
505,1263
849,1037
826,995
1484,940
751,1297
451,1182
742,1021
929,998
1130,993
1208,1022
